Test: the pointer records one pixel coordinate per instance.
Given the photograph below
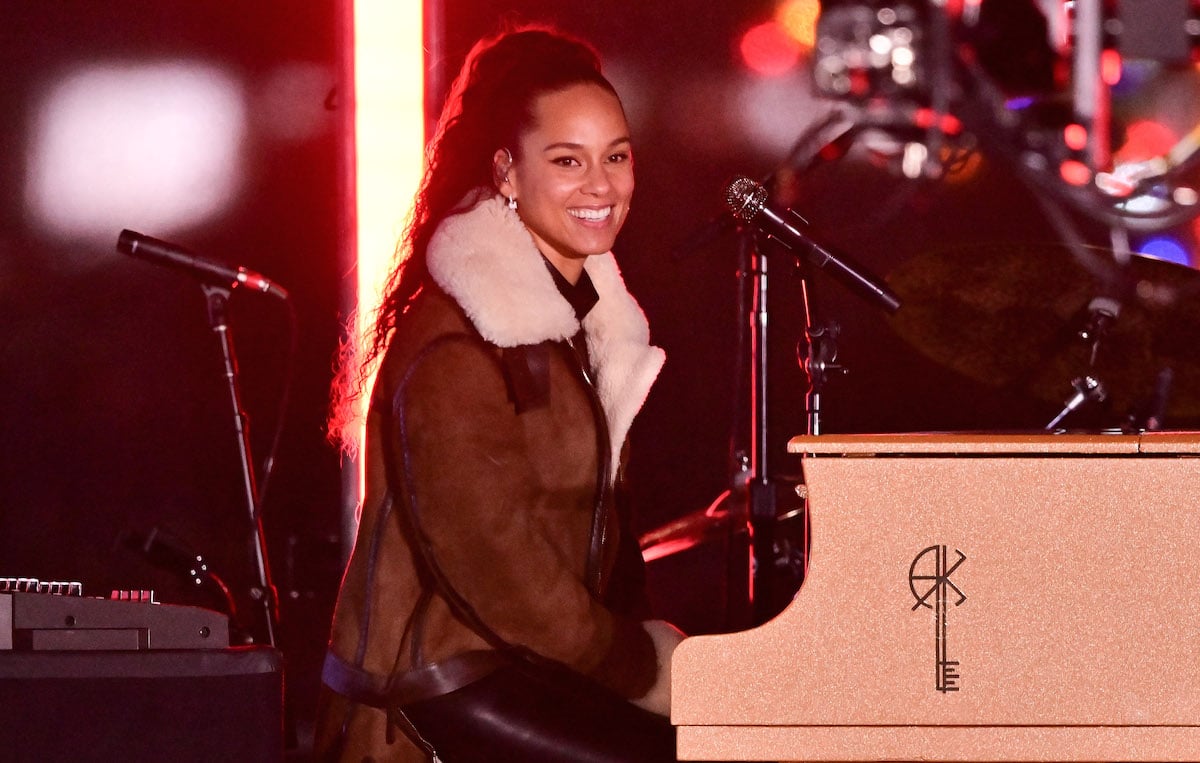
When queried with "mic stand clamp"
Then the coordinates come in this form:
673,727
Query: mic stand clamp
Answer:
1087,389
816,354
263,591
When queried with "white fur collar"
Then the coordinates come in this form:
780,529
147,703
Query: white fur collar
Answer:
487,261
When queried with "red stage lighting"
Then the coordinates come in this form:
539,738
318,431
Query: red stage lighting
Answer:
769,50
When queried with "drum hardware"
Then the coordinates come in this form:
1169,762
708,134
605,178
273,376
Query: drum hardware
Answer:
1101,314
1025,317
747,509
1087,389
690,530
775,231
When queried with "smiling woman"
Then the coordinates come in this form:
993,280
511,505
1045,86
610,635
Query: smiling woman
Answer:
494,607
571,175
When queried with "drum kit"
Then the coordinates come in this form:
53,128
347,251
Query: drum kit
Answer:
1083,328
1057,325
1109,336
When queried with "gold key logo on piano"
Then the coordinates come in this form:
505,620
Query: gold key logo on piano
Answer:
936,585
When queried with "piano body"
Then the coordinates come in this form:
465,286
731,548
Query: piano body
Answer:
971,598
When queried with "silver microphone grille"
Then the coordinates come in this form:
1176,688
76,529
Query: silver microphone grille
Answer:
746,198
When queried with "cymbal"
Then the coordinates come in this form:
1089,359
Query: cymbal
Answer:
715,521
1033,318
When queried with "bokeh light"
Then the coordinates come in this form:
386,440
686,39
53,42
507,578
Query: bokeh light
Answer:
772,113
1145,139
799,19
769,50
1166,248
148,146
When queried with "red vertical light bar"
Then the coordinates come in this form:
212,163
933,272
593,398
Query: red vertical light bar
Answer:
385,142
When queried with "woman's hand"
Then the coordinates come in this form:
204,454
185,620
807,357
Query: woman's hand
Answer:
666,637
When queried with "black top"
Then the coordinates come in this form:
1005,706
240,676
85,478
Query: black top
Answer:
581,296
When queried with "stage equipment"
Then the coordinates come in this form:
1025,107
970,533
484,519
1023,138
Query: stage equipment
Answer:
763,507
218,283
748,201
936,82
1045,320
36,617
175,256
127,678
971,598
178,705
170,552
991,75
1093,328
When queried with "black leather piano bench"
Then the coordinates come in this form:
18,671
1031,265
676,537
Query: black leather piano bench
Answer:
222,705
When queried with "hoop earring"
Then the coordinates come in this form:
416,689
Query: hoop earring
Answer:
512,200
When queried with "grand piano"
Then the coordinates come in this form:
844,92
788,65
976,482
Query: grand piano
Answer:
971,598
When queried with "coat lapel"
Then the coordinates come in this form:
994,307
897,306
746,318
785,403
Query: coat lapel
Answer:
486,260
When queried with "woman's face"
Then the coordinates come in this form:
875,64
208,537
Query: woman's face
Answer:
573,175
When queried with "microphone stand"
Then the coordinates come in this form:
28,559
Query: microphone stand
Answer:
816,354
763,491
753,491
263,592
753,475
761,495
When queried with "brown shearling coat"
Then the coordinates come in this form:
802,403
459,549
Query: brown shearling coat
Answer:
500,493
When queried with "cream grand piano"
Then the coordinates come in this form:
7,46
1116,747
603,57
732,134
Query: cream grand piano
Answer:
972,598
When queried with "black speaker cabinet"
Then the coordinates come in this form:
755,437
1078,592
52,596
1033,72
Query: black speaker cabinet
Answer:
222,705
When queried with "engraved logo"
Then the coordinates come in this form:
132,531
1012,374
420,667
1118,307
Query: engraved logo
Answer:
929,578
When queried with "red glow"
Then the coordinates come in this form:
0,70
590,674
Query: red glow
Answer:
859,82
769,50
1075,173
1110,67
831,151
956,9
947,123
1145,139
389,122
1075,136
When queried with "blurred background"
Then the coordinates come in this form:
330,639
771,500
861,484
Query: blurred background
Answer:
991,165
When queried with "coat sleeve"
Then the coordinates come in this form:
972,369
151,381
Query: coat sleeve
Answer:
487,519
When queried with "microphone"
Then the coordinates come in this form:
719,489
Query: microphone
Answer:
748,200
173,255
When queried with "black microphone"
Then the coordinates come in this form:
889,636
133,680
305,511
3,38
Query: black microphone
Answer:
173,255
748,200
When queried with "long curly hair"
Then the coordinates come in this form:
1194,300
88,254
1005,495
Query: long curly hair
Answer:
489,106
